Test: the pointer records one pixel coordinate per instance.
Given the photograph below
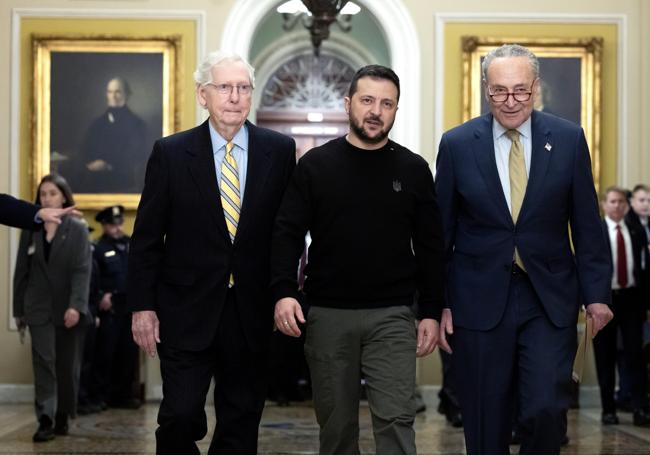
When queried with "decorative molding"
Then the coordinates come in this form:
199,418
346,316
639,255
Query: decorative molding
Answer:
16,393
307,83
399,32
620,20
296,43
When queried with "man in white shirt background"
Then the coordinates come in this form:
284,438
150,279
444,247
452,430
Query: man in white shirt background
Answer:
629,304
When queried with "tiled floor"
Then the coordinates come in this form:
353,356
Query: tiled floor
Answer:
289,431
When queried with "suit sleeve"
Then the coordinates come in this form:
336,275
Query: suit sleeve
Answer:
428,246
148,240
21,274
447,201
592,257
81,268
17,213
288,241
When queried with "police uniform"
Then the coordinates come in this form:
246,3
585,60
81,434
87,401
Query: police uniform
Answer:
116,354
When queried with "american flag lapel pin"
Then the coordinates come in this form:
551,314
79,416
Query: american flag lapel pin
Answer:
548,147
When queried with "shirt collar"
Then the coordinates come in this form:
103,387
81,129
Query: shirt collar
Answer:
524,129
611,224
240,139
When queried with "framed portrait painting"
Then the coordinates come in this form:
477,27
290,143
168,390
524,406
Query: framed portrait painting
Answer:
570,78
99,104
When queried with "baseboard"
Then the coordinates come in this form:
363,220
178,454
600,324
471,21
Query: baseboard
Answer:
589,396
24,393
16,393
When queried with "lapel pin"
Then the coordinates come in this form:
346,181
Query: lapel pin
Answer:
548,147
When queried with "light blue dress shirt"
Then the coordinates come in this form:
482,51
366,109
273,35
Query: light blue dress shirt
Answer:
502,152
239,152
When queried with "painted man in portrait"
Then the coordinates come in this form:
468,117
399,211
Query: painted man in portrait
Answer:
114,149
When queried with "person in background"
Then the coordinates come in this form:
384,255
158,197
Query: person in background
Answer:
630,302
115,351
51,284
637,217
85,405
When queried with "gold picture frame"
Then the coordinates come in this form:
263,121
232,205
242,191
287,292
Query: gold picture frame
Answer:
570,70
72,114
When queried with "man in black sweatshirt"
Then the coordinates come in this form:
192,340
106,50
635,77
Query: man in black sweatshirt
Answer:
370,207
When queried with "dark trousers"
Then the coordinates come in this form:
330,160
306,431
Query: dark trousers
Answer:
86,377
56,357
239,392
628,318
524,354
116,357
447,395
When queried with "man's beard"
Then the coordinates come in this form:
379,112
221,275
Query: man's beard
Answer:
360,132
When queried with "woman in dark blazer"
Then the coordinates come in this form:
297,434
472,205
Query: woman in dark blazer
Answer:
51,298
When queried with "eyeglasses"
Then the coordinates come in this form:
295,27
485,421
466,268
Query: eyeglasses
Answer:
501,95
226,89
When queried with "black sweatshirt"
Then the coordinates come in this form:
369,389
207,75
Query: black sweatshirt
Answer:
375,227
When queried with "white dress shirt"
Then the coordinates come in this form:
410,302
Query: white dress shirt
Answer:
629,255
502,146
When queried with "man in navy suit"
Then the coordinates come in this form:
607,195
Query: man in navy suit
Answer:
198,278
510,184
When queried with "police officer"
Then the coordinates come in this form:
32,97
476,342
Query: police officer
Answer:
116,354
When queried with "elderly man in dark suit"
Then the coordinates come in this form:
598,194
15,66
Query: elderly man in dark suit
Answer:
24,215
199,263
510,184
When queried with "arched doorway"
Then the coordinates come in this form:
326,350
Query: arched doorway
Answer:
397,29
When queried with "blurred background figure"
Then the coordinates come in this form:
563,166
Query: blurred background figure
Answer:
628,245
116,355
50,298
86,405
638,217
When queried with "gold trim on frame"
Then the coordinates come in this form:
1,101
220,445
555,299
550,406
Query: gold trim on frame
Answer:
42,47
588,50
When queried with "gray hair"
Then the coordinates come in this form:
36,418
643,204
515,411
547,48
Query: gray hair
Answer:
510,50
203,74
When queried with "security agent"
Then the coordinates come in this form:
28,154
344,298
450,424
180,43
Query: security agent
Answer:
115,352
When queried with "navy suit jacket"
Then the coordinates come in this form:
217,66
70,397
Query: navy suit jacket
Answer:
17,213
480,236
181,255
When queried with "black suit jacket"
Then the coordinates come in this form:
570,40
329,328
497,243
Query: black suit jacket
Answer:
181,255
17,213
639,247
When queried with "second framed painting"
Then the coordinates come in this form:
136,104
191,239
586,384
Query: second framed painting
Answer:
99,104
570,76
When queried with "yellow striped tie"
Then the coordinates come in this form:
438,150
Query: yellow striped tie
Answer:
518,180
230,196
